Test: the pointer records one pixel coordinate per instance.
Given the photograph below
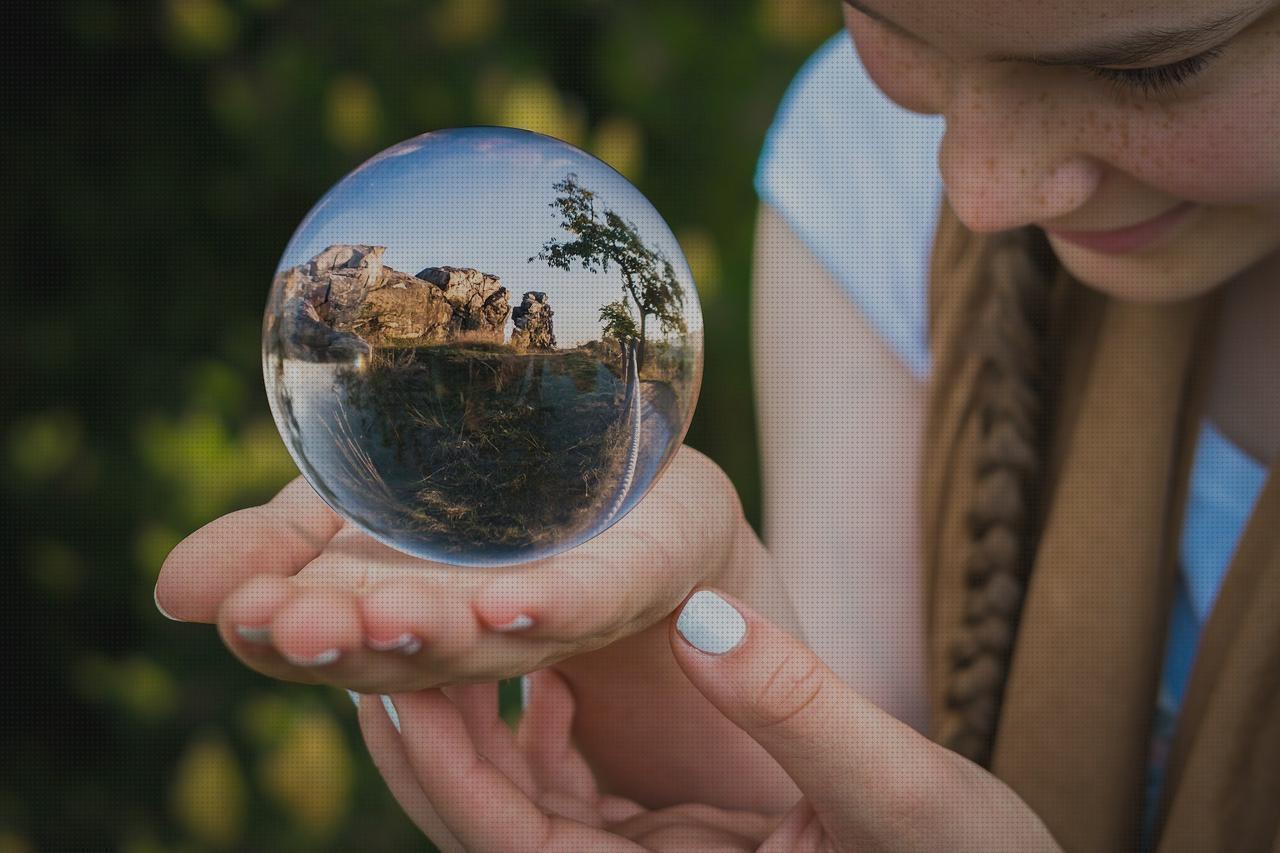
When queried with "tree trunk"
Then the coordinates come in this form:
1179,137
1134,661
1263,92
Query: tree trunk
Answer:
640,348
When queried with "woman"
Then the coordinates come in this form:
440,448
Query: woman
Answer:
1083,400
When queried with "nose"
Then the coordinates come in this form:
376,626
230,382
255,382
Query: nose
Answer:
1006,160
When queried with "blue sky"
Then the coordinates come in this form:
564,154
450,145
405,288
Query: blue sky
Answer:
477,197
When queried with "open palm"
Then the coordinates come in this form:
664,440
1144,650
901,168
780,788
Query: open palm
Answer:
300,595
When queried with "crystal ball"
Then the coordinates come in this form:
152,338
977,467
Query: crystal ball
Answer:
482,346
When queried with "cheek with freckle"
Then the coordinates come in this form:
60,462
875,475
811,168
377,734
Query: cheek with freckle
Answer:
1220,151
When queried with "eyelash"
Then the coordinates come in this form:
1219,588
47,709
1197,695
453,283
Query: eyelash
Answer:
1160,78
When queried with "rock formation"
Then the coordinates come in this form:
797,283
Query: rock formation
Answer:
345,300
532,318
479,302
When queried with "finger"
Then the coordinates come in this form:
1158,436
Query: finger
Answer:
828,738
279,537
316,629
799,831
478,704
696,826
545,738
633,574
423,610
387,751
468,793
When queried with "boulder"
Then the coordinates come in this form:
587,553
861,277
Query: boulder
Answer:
478,300
346,300
532,319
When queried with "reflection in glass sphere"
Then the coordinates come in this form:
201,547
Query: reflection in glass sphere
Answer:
482,346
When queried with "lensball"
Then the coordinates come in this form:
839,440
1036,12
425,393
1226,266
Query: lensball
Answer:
482,346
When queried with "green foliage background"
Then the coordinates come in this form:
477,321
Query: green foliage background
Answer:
158,155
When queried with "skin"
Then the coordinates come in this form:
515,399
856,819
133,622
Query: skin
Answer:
1025,144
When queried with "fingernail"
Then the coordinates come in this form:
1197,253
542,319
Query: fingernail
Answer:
165,613
405,643
521,622
386,703
325,658
710,623
254,633
391,711
524,691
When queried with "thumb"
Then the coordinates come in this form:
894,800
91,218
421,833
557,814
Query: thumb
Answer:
866,773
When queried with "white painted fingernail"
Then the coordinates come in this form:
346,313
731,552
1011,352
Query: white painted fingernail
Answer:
165,613
710,623
524,691
520,623
254,633
406,643
325,658
391,711
355,697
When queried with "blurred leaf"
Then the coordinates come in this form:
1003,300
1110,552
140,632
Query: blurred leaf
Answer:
211,469
55,567
704,259
352,114
234,102
309,773
798,23
215,387
463,22
266,719
201,27
44,446
138,686
619,142
152,545
208,795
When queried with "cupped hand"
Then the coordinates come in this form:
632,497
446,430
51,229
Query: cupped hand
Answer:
300,595
471,784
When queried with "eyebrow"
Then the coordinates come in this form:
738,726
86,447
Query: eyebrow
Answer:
1130,49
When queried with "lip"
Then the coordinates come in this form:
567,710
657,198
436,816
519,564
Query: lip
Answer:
1131,237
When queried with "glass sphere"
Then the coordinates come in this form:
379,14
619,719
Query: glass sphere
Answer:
482,346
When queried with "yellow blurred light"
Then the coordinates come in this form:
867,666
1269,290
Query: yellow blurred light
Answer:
11,842
309,773
535,105
352,114
208,795
203,27
463,22
619,142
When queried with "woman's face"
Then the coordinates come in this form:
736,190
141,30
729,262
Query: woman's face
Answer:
1048,122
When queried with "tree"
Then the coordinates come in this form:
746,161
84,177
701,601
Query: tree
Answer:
648,279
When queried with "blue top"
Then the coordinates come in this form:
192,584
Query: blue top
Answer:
856,177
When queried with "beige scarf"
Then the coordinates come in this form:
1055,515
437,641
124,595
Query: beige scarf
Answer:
1074,728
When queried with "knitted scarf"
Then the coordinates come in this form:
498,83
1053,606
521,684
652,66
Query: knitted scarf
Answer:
1072,728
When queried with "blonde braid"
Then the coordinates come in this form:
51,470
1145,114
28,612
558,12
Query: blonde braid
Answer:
1009,342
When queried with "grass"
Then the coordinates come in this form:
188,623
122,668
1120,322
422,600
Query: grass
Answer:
480,450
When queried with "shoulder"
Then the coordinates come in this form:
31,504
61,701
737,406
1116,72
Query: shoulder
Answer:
856,177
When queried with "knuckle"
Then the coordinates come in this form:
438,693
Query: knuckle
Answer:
792,687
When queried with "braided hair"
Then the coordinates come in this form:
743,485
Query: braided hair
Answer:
1009,337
